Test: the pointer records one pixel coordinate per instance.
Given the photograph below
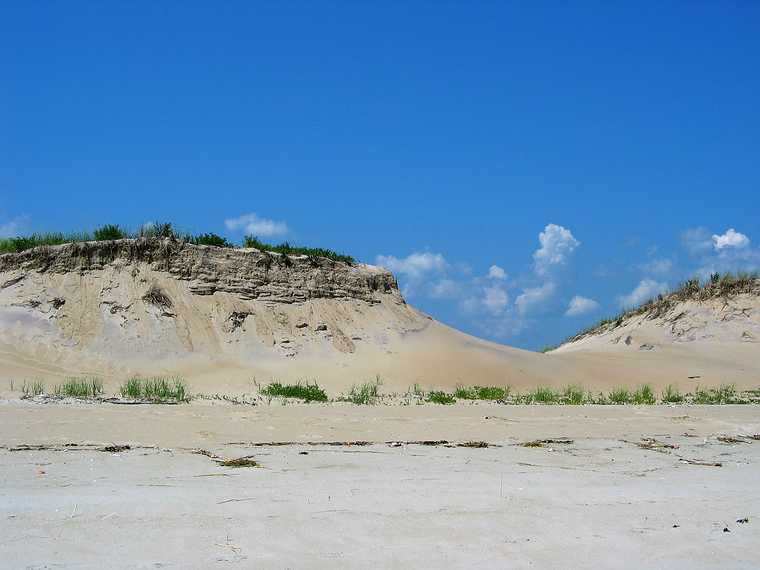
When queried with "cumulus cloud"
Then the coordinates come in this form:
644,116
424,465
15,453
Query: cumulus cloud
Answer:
581,306
730,239
445,289
557,244
644,291
657,266
496,272
697,241
255,225
532,298
415,265
495,299
13,227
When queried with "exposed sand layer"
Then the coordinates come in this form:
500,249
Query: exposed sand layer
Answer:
224,318
596,499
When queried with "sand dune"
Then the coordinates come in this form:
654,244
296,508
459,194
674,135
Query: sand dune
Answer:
226,318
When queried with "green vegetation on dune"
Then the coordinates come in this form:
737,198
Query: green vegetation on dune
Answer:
308,392
717,286
111,232
80,388
287,249
155,389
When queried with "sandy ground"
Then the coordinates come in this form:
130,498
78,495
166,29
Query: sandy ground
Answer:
599,501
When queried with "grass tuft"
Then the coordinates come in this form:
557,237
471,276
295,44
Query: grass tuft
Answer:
365,394
620,396
644,395
32,389
542,395
80,388
671,395
574,395
302,391
481,393
156,389
286,249
439,397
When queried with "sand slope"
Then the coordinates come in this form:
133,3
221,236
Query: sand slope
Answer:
225,319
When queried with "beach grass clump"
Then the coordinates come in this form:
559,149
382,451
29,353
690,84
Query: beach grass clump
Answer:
542,395
574,395
724,394
286,248
365,394
157,389
80,388
620,396
210,239
308,392
440,397
32,389
110,232
22,243
481,393
671,395
644,395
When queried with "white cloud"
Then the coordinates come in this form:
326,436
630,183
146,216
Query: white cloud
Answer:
445,289
644,291
414,266
581,306
254,225
495,299
531,298
657,266
731,238
496,272
557,244
697,241
13,227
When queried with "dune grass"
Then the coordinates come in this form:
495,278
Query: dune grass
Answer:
32,389
440,397
308,392
481,393
366,393
288,249
80,388
671,395
156,389
644,395
724,394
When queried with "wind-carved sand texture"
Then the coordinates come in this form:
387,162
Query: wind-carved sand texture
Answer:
221,317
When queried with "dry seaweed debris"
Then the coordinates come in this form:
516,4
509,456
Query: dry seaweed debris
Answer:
548,441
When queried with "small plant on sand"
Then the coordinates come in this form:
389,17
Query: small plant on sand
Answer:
725,394
481,393
644,395
542,395
671,395
439,397
157,389
620,396
32,389
302,391
574,395
366,393
80,388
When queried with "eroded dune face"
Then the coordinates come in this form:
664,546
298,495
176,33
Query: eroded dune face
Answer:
227,318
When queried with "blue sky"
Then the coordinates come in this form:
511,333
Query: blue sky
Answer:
525,167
